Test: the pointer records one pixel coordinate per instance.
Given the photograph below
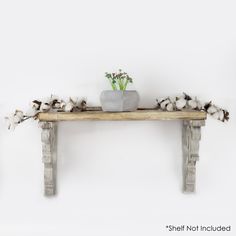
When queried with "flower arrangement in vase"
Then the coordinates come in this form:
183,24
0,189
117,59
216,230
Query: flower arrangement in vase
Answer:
119,99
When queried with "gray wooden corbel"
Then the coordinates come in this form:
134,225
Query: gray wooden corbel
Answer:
48,137
191,139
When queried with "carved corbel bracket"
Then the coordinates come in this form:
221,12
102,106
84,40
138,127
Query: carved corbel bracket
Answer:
191,139
48,137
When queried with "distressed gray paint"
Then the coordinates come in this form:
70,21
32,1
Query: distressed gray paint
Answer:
48,138
191,139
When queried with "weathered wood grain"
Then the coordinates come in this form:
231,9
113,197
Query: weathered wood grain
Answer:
191,139
136,115
48,137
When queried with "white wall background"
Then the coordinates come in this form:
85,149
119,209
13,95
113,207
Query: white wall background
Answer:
116,178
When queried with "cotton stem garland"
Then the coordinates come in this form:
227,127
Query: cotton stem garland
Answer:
55,104
185,102
52,104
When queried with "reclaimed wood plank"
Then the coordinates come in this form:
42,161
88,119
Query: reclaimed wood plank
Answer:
136,115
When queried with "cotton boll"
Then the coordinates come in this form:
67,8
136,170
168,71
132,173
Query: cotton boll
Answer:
56,105
164,104
83,104
36,104
17,119
216,115
221,115
199,105
62,105
212,109
45,107
19,114
159,101
181,103
170,107
69,107
192,104
11,122
14,119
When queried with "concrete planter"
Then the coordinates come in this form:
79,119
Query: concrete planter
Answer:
118,101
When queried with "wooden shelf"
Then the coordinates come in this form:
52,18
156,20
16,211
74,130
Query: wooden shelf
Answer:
136,115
